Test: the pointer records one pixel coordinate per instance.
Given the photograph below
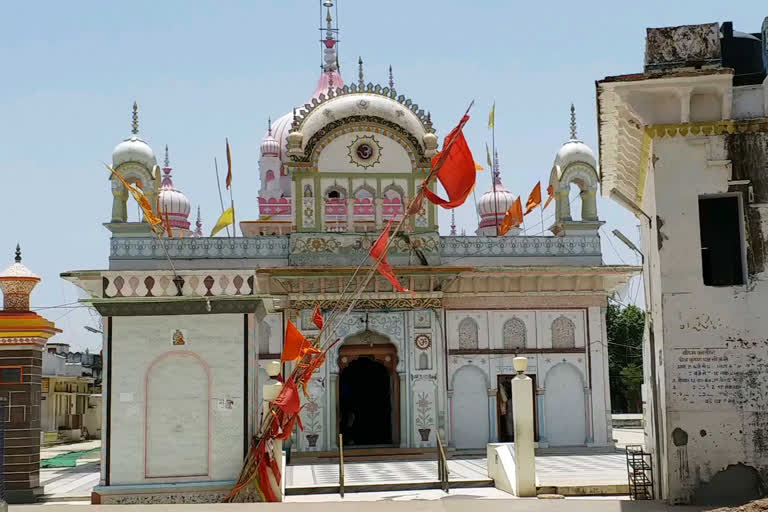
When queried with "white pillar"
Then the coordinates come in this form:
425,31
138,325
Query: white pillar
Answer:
269,393
522,407
378,212
600,404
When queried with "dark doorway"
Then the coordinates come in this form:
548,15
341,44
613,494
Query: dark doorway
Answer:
365,400
504,409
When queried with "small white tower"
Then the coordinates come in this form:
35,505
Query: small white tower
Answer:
493,205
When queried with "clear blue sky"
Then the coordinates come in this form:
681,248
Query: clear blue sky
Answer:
203,71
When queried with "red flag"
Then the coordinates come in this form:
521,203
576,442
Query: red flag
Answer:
378,253
317,318
534,199
288,399
513,217
229,166
457,172
295,344
551,193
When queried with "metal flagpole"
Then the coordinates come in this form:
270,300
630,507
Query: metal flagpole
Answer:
494,171
541,211
218,184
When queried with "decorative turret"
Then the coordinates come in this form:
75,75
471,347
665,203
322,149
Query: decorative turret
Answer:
575,162
133,148
171,202
493,205
17,283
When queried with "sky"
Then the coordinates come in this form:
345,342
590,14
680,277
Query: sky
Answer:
202,71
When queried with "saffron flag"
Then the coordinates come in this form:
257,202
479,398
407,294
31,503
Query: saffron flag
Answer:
317,318
288,399
551,193
227,217
478,167
229,167
488,156
534,199
168,225
457,171
378,253
140,198
492,116
295,345
513,217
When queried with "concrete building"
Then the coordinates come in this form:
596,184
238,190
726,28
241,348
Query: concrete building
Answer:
23,335
71,395
684,145
185,345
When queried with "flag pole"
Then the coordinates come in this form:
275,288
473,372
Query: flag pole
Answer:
494,171
218,184
541,211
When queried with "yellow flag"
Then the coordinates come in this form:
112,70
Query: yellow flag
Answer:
492,116
488,156
227,217
478,167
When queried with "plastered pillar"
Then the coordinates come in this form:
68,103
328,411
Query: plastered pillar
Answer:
522,407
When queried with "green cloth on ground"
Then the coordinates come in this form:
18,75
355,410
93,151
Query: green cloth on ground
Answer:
66,460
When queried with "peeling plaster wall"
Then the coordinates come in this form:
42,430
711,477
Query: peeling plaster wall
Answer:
712,342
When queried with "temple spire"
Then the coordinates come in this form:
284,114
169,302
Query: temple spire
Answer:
135,122
330,58
360,79
391,78
496,171
167,160
269,132
18,254
453,222
573,123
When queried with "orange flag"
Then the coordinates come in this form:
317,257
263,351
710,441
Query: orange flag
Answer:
168,225
288,399
534,199
295,345
378,254
551,193
229,166
140,198
513,217
457,171
317,318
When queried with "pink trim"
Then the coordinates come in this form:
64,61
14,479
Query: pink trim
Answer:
189,353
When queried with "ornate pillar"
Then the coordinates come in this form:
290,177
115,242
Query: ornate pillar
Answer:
21,356
563,204
350,215
378,209
119,200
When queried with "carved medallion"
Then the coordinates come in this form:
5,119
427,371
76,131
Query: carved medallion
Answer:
364,151
423,341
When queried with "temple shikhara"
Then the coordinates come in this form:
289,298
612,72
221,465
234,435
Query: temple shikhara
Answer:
191,321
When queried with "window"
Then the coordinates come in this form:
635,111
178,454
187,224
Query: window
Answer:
720,227
468,334
563,333
11,375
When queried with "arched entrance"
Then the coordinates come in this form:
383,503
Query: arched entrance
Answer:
369,395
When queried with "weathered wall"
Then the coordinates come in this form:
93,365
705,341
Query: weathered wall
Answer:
712,346
144,358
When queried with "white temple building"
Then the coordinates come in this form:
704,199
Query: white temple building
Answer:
185,346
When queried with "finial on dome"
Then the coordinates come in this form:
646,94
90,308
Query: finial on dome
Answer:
496,171
167,160
18,254
391,78
199,223
269,132
360,80
453,222
330,58
573,123
135,122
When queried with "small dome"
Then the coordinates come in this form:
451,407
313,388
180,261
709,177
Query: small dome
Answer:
133,149
173,202
493,205
575,151
269,144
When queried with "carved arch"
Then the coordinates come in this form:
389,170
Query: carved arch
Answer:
563,333
469,334
514,334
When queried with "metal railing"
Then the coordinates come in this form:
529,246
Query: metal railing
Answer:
341,466
442,465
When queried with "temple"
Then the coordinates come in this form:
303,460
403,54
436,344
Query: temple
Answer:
190,321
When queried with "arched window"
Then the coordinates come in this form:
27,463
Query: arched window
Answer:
468,333
423,361
513,334
563,333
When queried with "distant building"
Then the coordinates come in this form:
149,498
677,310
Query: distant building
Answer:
71,394
684,145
